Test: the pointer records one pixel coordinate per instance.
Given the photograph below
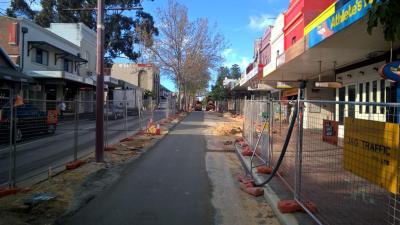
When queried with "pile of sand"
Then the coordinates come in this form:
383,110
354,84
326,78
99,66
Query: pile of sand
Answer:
227,129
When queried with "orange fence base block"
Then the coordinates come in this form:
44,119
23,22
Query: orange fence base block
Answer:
248,181
288,206
242,178
310,206
12,191
73,165
247,152
291,206
243,144
264,170
110,149
255,191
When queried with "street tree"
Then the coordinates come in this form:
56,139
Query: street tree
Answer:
235,72
387,14
123,31
218,91
186,50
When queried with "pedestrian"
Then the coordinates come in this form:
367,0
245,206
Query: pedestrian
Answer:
62,107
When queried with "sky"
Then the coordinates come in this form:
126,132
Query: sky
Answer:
241,22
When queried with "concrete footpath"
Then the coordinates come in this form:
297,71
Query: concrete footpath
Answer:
182,180
167,185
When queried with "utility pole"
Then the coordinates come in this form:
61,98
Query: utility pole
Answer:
100,72
100,83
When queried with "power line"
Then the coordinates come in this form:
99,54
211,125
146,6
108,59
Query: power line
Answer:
93,9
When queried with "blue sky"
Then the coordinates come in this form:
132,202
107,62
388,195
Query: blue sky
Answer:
241,22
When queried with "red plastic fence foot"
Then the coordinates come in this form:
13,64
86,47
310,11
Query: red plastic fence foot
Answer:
12,191
247,152
264,170
291,206
73,165
248,181
288,206
310,206
255,191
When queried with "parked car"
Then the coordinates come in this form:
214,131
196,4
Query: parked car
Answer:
30,121
113,112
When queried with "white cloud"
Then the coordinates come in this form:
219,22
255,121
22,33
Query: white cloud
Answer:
232,57
227,52
260,22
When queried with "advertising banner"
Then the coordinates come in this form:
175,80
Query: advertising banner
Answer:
371,151
330,132
343,17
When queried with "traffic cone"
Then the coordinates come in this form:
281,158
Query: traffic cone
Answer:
158,130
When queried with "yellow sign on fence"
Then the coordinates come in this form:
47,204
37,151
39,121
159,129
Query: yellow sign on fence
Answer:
371,151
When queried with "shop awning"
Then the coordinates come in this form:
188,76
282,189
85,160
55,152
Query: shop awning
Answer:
14,75
349,46
60,53
61,75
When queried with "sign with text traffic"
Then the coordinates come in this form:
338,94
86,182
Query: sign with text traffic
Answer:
371,151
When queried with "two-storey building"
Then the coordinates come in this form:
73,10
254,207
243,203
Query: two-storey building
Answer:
55,62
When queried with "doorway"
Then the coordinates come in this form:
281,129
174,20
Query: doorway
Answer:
351,94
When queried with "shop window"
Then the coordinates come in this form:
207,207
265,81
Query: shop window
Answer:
67,66
374,95
41,57
383,89
367,94
87,57
351,93
293,39
342,95
361,97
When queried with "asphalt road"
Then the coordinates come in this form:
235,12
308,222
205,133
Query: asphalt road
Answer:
167,185
35,156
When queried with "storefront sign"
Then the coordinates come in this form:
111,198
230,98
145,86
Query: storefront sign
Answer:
330,132
290,92
391,71
371,151
342,18
286,85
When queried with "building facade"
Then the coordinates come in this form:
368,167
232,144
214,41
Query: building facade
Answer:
145,76
298,15
56,63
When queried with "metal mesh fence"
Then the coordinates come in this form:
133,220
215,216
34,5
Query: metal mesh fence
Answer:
39,137
343,157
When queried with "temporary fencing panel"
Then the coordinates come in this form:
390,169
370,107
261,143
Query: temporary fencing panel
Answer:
343,157
45,137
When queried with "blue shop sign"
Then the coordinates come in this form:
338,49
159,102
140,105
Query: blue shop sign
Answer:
343,17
